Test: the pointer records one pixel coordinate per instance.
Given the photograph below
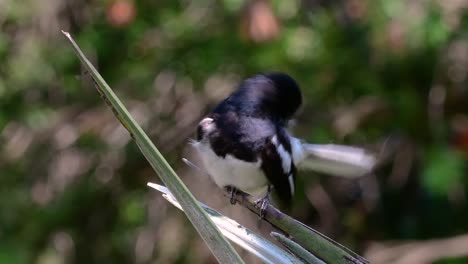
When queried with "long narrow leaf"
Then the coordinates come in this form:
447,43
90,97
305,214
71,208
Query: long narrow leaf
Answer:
219,246
313,241
295,248
245,238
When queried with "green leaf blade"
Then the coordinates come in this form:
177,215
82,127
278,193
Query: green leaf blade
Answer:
219,246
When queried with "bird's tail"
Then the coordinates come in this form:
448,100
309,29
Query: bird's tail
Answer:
335,160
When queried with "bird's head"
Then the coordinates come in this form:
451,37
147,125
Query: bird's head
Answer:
274,94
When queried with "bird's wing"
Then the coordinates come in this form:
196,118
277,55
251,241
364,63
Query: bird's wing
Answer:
333,159
278,171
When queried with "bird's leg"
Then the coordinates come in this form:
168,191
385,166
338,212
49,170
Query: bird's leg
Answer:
232,191
264,202
232,200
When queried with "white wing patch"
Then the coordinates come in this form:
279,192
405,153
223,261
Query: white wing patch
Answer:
284,155
291,183
286,161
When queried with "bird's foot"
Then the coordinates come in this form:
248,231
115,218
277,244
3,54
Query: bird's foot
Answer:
232,191
263,204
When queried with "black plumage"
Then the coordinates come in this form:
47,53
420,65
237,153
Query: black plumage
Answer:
250,126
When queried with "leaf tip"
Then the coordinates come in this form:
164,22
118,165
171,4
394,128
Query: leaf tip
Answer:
158,187
66,33
152,185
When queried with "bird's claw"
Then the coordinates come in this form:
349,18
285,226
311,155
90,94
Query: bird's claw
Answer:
232,191
263,204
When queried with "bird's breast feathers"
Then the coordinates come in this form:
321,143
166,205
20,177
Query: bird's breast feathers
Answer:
230,171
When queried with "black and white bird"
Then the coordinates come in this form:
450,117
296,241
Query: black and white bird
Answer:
244,143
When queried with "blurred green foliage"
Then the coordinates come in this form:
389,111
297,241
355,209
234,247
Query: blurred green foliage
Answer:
391,75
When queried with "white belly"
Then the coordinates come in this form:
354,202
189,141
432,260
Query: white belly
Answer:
229,171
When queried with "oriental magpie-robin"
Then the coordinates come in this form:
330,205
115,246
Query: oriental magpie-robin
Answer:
244,143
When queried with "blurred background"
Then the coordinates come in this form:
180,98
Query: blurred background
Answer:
387,75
